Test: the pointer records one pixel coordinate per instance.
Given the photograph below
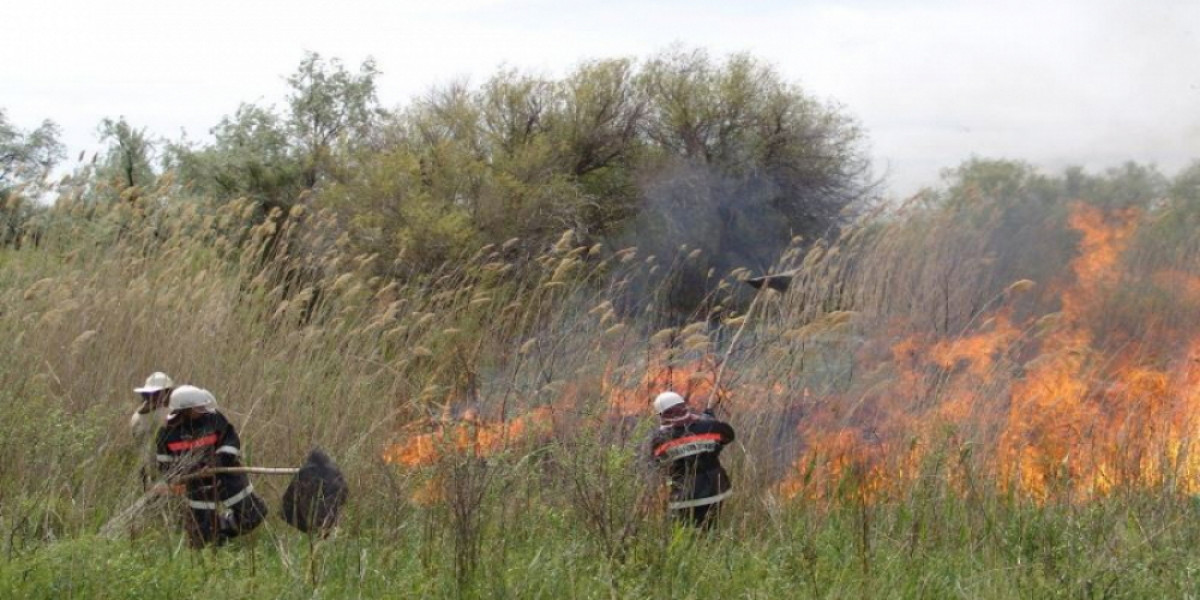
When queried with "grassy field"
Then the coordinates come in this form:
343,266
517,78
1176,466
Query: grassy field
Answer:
1134,548
919,418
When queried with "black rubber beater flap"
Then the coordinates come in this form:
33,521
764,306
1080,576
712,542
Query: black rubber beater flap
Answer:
313,500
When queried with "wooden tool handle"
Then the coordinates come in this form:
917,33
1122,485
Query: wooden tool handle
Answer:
224,470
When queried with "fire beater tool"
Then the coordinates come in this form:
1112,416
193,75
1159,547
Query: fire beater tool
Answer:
313,499
779,282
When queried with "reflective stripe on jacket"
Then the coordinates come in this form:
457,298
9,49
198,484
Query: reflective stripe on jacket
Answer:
204,442
690,456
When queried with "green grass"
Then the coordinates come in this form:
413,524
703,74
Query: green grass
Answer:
1109,550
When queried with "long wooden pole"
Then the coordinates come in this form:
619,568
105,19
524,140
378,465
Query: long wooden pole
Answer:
716,397
227,470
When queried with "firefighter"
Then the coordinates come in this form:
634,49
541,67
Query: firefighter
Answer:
687,446
197,437
150,415
152,412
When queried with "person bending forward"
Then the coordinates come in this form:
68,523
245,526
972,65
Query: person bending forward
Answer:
197,437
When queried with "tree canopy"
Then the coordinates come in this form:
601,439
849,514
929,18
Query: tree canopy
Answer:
721,159
26,159
722,156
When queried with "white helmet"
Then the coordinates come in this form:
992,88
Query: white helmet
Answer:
666,401
156,382
190,396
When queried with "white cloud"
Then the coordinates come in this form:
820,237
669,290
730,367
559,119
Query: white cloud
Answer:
933,82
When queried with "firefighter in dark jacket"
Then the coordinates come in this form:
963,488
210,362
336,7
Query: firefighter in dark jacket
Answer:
195,438
687,445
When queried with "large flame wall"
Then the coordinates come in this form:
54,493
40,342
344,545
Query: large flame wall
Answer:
1062,403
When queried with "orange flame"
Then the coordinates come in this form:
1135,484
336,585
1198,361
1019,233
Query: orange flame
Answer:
1066,416
693,380
482,439
1063,404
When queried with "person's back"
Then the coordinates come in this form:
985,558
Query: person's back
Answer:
198,444
688,447
196,438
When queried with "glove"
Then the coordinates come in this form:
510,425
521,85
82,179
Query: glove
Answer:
167,489
226,523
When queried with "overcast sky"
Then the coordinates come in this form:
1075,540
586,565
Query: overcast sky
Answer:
1087,82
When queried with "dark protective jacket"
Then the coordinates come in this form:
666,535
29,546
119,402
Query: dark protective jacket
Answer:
205,442
690,454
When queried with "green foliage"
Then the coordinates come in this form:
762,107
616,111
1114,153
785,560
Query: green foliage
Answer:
26,158
275,159
127,166
18,214
250,158
948,255
721,156
743,121
1171,235
329,106
1131,185
1117,550
615,150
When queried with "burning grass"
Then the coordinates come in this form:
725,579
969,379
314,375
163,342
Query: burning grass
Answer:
1050,396
1057,394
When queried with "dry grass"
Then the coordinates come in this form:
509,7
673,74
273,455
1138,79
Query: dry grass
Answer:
877,404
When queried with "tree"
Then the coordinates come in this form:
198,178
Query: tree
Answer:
741,120
740,163
602,110
513,110
274,157
329,105
601,123
723,156
1168,239
26,159
250,157
127,164
1129,185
